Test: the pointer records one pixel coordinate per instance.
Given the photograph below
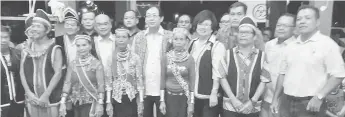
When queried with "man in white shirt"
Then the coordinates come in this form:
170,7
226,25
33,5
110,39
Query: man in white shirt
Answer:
151,44
274,52
105,47
311,68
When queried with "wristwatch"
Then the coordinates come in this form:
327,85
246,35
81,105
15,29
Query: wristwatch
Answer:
320,97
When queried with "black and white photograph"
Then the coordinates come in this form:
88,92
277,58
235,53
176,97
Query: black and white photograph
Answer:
166,58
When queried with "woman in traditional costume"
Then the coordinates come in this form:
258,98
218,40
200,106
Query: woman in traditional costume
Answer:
180,77
127,84
12,92
84,84
40,70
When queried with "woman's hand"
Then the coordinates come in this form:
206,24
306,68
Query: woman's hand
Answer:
99,110
162,107
190,110
62,110
110,109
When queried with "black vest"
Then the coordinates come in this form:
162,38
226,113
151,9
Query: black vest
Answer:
205,71
232,74
14,68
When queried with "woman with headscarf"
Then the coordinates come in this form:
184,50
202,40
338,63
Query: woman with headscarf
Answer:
180,77
84,84
127,83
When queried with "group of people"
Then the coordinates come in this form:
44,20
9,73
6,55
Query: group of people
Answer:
193,71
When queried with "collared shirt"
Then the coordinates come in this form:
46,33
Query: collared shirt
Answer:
245,66
198,51
106,47
131,36
153,62
70,49
306,65
274,53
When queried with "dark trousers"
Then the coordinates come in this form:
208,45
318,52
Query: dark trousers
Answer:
202,108
176,105
297,107
227,113
126,108
82,110
14,110
149,101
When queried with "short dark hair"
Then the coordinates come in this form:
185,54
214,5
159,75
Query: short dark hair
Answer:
290,15
135,13
316,10
82,13
6,29
190,17
239,4
205,15
161,14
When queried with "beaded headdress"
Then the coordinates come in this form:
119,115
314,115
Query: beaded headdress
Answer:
86,37
122,30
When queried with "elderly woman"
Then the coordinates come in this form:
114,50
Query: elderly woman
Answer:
127,83
84,84
202,49
40,70
180,77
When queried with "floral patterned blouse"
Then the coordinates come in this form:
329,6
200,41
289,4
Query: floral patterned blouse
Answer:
129,78
75,89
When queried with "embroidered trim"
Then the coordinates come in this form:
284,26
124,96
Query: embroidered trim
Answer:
173,66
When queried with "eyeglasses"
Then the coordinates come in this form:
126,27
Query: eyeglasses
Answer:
184,22
245,32
206,25
284,25
151,16
224,21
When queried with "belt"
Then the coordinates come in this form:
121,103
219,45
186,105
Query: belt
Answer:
172,93
298,98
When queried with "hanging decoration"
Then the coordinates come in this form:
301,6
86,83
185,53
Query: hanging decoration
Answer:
142,6
88,6
57,9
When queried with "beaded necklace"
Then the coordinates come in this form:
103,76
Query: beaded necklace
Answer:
32,52
178,56
85,61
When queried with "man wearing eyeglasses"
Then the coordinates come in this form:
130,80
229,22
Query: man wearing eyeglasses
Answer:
311,68
274,51
242,74
224,29
131,21
151,44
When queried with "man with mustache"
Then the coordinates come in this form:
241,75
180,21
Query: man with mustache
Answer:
312,67
151,44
